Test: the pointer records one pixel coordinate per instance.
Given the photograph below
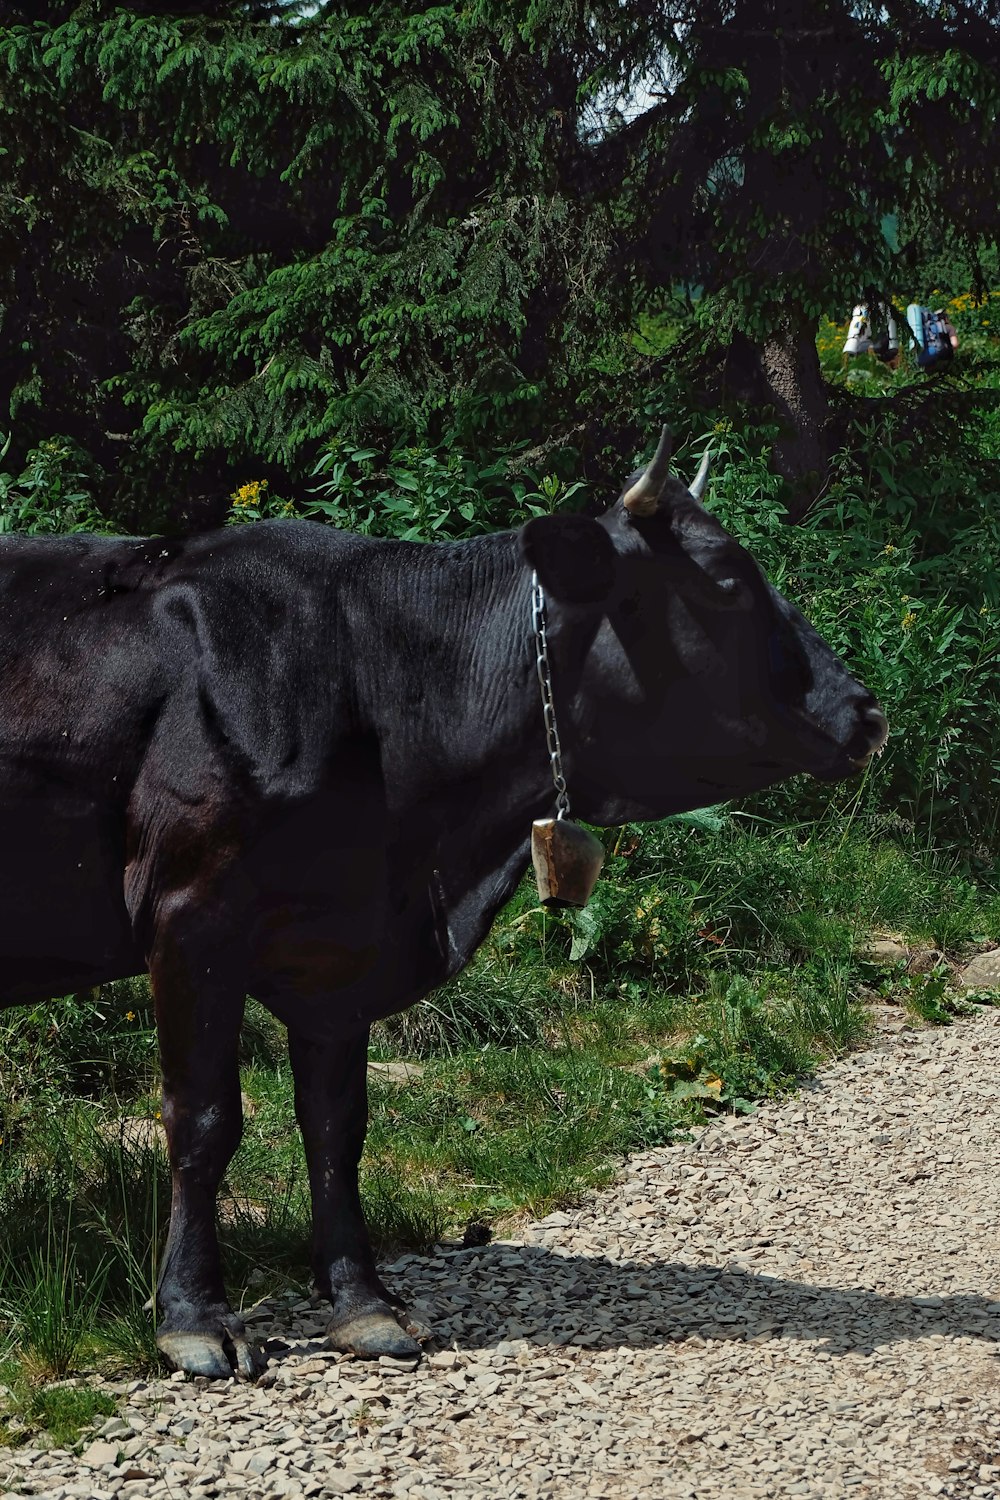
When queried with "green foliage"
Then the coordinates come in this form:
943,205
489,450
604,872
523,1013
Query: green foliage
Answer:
415,494
931,997
50,495
236,315
898,569
226,242
420,494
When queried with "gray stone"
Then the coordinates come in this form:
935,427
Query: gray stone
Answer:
98,1455
886,950
340,1481
396,1072
982,972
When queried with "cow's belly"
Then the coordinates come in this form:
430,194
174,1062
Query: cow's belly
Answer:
63,923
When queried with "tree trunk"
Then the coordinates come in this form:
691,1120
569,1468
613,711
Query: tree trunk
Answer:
789,365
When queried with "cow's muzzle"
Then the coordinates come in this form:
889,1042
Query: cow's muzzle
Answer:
870,738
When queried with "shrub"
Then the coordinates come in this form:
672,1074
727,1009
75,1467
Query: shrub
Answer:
419,494
51,495
899,567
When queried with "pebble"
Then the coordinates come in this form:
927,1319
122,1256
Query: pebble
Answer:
796,1303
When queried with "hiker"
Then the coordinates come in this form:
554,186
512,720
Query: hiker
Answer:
861,339
933,334
885,344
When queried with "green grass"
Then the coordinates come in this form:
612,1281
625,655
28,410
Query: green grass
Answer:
62,1413
50,1302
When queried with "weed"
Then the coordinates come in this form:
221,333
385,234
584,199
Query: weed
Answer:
420,493
362,1418
930,997
975,997
682,1089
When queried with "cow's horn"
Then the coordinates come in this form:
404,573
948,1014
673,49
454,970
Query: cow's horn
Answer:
643,498
700,480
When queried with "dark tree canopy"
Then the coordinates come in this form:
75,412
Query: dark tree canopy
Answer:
229,231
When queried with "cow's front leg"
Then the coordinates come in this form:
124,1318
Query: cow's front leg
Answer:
199,1008
331,1101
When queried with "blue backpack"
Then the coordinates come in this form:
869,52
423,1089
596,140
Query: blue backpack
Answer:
930,329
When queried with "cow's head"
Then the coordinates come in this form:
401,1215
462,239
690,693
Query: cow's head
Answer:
682,678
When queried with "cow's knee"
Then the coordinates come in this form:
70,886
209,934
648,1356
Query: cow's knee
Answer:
202,1135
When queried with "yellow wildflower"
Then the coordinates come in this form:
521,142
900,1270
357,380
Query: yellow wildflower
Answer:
249,494
909,620
130,1015
888,549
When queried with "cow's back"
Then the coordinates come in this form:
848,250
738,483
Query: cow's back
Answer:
97,633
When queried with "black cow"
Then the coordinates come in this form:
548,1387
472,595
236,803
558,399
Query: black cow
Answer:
286,761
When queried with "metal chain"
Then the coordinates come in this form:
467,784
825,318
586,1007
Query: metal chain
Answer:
544,670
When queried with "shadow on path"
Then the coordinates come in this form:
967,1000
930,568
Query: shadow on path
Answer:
482,1297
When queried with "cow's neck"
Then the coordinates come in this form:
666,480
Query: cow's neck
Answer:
453,696
451,688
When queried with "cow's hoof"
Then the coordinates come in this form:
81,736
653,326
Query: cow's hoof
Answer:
217,1355
369,1335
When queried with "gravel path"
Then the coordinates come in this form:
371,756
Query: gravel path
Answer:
795,1304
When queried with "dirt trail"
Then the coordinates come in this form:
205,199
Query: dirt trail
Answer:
796,1304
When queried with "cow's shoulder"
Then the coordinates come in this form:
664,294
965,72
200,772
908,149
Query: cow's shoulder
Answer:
247,620
257,600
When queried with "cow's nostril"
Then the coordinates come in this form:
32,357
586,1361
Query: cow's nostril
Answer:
878,725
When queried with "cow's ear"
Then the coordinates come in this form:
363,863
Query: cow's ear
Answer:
573,556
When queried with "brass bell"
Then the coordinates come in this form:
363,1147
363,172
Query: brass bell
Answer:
567,861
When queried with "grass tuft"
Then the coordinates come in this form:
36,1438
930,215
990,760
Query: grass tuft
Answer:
50,1305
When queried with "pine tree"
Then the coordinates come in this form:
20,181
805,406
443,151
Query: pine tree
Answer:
231,230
